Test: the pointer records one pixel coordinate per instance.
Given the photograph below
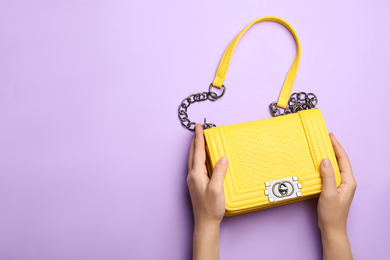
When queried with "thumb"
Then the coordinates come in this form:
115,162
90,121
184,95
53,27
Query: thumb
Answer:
218,175
328,178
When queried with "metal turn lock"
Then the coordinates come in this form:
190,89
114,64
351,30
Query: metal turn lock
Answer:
283,189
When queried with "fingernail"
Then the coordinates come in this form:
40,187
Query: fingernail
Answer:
326,162
197,126
224,160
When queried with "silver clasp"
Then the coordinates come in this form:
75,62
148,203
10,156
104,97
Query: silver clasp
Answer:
283,189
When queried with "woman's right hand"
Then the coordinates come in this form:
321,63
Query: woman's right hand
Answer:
334,204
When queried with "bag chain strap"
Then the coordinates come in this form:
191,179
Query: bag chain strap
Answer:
183,116
297,102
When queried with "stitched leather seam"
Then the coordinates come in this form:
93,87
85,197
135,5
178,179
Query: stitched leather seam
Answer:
262,190
255,208
314,126
231,175
314,140
264,200
216,148
232,165
230,171
322,127
305,129
315,122
218,155
329,150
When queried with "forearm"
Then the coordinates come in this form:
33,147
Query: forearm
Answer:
206,241
336,246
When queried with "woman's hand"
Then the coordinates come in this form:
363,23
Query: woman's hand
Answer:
334,204
208,200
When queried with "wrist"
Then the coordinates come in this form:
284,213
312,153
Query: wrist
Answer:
206,239
334,233
203,225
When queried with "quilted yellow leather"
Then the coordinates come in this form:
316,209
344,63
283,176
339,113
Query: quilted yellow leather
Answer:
270,149
289,81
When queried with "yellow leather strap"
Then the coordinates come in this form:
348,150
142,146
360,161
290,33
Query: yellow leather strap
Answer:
289,81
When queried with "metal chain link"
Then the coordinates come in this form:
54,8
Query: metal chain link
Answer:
297,102
183,116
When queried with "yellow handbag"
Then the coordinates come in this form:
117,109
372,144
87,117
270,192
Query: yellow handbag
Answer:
274,161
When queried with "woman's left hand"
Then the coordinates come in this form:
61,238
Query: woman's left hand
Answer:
207,196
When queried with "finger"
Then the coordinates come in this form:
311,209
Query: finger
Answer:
328,178
199,152
342,160
191,156
341,155
218,175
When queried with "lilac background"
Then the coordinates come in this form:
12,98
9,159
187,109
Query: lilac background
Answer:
92,155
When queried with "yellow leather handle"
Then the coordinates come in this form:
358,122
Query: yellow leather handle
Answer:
289,81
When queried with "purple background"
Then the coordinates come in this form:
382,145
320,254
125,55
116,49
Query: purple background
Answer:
92,155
